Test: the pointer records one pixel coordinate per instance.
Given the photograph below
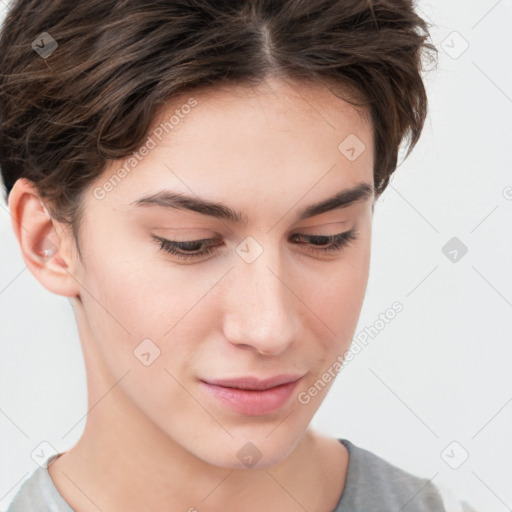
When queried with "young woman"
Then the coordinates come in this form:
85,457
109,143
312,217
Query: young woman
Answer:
199,179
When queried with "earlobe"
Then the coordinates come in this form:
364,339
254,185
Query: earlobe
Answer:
45,248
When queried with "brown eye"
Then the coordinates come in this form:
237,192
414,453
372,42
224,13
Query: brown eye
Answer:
200,248
188,249
327,243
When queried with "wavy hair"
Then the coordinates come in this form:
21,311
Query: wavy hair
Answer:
95,97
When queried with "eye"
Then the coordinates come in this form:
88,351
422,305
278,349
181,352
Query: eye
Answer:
200,248
188,249
327,243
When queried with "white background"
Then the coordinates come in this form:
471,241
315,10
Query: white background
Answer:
439,372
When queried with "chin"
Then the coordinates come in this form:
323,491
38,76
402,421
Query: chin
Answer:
246,452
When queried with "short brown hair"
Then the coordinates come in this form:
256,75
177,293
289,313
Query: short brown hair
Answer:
94,98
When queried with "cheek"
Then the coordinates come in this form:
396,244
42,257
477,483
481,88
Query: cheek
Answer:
338,288
131,294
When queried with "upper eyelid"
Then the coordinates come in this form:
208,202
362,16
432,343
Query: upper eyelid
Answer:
305,230
214,239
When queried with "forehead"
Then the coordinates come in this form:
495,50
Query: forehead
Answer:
280,121
234,143
273,104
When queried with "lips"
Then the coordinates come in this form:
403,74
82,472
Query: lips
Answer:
253,383
252,396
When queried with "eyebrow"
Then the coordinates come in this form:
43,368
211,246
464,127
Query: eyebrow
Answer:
177,200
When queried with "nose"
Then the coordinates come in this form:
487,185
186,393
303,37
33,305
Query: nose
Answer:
261,310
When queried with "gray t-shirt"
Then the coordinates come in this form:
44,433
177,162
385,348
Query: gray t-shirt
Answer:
372,485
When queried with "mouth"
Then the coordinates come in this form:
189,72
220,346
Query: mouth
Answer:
252,396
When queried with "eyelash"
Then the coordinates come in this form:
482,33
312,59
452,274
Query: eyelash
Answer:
337,243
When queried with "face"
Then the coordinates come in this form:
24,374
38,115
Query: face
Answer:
205,260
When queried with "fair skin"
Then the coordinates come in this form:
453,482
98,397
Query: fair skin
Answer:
155,439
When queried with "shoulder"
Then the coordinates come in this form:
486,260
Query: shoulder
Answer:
373,484
38,492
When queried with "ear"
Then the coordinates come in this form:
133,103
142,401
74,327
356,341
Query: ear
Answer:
47,246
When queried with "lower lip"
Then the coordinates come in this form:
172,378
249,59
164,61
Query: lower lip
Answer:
252,403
